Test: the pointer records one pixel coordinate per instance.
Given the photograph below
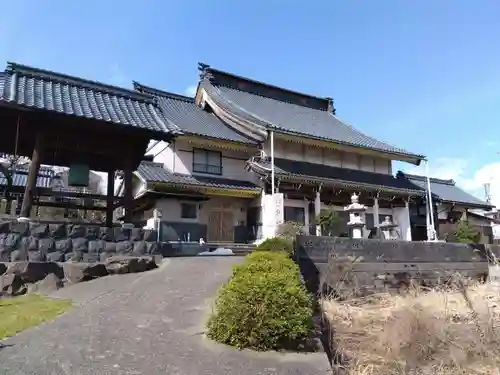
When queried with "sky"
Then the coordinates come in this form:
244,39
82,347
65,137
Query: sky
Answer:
422,75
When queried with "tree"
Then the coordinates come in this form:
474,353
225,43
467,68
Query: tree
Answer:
328,220
466,233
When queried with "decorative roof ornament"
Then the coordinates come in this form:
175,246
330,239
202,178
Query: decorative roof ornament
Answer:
204,73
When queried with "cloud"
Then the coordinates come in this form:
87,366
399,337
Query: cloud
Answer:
191,90
457,169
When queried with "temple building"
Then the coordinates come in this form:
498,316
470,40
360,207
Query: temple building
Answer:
215,180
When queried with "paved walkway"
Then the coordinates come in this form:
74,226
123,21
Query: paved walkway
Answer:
149,324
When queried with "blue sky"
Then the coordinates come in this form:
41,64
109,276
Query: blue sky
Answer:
423,75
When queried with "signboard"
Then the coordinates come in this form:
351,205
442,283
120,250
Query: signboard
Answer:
279,212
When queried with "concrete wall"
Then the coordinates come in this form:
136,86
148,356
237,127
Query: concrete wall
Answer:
326,156
178,157
38,242
359,267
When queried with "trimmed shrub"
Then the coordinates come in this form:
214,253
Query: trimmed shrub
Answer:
277,244
264,305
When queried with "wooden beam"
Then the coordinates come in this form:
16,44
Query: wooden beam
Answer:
110,198
69,205
30,190
127,196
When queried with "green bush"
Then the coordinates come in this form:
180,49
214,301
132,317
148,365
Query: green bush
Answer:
264,305
277,244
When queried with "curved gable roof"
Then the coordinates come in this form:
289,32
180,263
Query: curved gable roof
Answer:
182,112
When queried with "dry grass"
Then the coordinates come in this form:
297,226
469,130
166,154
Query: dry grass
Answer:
436,332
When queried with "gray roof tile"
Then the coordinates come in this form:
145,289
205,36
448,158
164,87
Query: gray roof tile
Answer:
286,111
444,190
335,175
182,112
41,89
156,172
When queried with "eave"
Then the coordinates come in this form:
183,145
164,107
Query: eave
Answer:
208,190
334,182
200,140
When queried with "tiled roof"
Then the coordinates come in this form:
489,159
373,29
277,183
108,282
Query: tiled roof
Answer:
182,112
444,190
286,111
54,92
20,178
342,177
156,172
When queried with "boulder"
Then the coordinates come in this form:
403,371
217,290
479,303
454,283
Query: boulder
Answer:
128,264
50,284
78,272
19,255
12,285
3,268
31,272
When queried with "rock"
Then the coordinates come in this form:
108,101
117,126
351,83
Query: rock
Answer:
121,234
139,248
37,256
97,247
19,256
78,272
149,235
58,231
131,264
64,246
46,245
55,256
12,285
106,234
3,268
80,244
136,234
93,233
77,231
124,247
39,230
49,284
20,228
31,272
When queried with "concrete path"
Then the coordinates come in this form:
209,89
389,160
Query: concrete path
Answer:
149,324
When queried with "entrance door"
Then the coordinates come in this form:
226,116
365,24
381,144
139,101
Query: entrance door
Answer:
220,226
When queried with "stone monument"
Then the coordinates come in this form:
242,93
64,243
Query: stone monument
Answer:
388,229
355,209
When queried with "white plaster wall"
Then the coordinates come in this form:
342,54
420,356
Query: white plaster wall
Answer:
171,209
178,157
326,156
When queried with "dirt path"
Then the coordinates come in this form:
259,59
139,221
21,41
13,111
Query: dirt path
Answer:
149,324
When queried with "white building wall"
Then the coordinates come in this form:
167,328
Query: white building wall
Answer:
178,157
170,209
330,157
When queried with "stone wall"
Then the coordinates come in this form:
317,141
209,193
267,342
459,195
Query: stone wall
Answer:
362,266
39,242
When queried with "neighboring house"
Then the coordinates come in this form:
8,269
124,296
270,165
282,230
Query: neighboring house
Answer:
451,204
52,189
214,181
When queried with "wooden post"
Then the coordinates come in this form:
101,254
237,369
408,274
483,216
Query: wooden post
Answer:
127,197
110,198
30,190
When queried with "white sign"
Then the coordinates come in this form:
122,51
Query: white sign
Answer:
279,212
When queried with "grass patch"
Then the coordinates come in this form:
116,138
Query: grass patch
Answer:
264,306
436,332
19,313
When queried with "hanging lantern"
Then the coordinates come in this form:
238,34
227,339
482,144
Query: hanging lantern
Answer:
78,175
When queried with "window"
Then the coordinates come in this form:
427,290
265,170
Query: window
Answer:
205,161
296,214
189,210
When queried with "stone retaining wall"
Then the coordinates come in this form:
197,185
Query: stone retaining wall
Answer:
362,266
38,242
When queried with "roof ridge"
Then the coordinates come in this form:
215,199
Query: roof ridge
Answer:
76,81
205,68
148,90
424,178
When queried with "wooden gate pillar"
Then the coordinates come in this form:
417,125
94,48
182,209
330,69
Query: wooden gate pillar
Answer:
30,189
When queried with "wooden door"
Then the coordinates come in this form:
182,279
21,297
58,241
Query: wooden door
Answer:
220,226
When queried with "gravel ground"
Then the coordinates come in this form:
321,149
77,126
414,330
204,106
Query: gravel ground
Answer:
150,323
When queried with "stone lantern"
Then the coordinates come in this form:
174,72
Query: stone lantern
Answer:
355,209
388,229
